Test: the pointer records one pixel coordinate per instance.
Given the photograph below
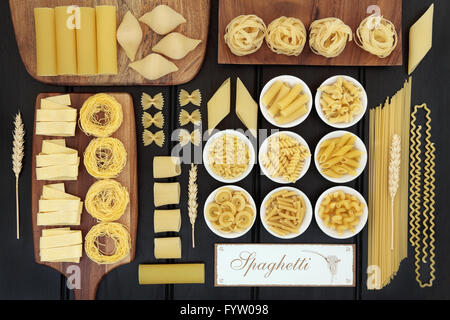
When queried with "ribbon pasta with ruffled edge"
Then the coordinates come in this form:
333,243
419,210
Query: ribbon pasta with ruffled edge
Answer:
185,118
158,138
195,137
195,98
377,36
329,36
157,120
148,101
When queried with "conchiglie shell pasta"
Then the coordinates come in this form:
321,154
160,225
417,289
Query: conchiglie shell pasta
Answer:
129,35
162,19
176,46
154,66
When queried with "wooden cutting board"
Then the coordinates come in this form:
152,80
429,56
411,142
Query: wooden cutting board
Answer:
196,13
91,273
352,12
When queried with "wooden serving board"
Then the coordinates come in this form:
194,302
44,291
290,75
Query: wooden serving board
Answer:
196,13
352,12
91,273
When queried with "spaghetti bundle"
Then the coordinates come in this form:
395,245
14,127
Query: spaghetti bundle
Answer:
377,35
328,37
101,115
107,200
245,34
105,158
100,252
286,36
388,216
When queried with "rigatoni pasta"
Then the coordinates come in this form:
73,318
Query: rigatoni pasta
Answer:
166,194
166,167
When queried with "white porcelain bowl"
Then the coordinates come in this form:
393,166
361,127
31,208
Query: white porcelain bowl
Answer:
265,145
223,234
252,155
306,221
359,145
356,118
292,81
333,233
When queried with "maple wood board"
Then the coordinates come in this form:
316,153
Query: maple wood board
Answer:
196,13
91,273
352,12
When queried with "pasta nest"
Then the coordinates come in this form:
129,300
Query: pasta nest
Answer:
107,200
286,36
328,37
105,158
230,211
377,35
245,34
101,115
100,252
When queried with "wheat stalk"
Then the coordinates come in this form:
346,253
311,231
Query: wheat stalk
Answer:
192,199
394,177
17,158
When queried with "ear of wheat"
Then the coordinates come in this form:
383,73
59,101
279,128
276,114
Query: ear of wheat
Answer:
17,159
192,199
394,177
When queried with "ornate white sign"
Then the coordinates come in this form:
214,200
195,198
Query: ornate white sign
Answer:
284,265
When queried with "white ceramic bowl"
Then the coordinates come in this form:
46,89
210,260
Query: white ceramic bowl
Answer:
306,221
218,232
333,233
357,118
291,80
252,154
359,145
263,149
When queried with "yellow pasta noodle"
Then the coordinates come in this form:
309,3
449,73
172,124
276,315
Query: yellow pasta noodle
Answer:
328,37
285,157
377,36
230,212
341,101
285,212
229,156
105,158
107,200
341,211
286,36
101,253
157,120
245,34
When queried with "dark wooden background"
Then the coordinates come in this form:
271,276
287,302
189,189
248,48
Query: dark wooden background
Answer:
21,278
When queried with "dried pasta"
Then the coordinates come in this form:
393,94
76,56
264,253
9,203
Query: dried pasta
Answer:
230,212
162,19
285,212
328,37
101,115
285,157
105,158
229,156
385,122
166,167
341,211
185,118
195,137
154,66
107,200
185,98
102,253
176,46
338,157
147,101
158,138
377,36
286,36
166,194
157,120
129,35
286,104
341,101
245,34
